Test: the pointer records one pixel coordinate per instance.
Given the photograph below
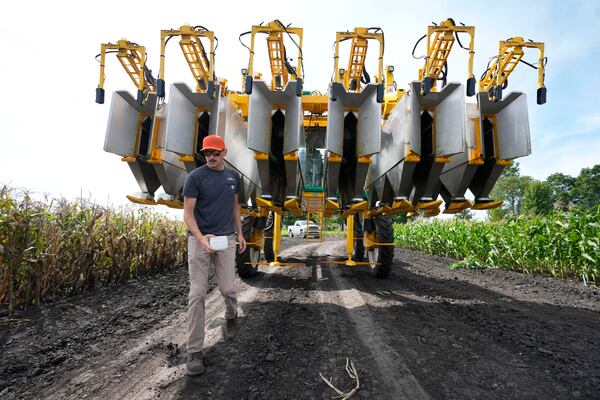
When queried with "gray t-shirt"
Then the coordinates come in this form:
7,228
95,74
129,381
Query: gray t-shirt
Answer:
214,192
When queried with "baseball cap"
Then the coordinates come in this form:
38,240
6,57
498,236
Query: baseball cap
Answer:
213,142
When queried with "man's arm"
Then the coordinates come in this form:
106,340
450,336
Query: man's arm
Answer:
189,203
238,224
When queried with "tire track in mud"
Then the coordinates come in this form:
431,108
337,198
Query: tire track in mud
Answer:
335,290
391,366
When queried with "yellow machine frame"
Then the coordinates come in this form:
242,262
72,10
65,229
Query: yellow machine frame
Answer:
440,39
510,52
275,31
201,66
133,59
358,54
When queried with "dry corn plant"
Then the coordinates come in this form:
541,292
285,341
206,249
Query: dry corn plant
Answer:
353,374
55,248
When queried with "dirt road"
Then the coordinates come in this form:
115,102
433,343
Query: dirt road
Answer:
427,332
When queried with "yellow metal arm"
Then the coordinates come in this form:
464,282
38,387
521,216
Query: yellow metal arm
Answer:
281,69
201,64
510,53
440,40
133,59
392,93
351,77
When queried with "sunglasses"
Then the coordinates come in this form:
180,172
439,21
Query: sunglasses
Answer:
214,153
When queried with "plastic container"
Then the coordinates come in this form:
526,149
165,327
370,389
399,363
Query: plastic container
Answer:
218,242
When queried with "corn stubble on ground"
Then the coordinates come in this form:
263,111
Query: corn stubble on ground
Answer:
426,332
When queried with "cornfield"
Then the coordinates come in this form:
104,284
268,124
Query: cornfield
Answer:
54,248
561,245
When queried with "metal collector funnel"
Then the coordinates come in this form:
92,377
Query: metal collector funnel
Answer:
137,133
353,133
497,133
190,117
416,141
193,116
275,133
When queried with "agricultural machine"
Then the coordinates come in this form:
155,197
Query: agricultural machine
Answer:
363,149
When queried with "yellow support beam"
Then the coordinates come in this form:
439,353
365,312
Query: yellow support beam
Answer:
487,205
350,240
457,207
354,208
276,239
138,200
510,53
200,63
440,40
275,31
358,53
428,205
133,59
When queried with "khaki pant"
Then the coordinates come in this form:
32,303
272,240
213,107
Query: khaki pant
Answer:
198,265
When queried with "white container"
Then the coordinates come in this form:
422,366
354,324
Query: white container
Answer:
218,242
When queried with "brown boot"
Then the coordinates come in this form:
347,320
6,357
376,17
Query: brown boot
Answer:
231,329
194,364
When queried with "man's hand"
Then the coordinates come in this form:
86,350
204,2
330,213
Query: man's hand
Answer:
204,241
241,243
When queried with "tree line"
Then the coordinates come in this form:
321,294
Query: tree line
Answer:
558,192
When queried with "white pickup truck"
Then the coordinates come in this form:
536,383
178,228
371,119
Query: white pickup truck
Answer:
299,229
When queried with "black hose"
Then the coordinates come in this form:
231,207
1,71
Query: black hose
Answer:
488,67
291,70
528,64
365,78
415,47
293,41
106,52
150,79
377,29
444,77
240,39
459,42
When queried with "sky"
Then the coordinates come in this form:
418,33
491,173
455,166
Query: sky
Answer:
52,132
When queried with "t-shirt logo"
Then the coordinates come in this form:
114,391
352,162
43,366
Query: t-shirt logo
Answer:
232,187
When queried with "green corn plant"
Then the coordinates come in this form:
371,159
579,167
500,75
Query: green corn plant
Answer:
562,245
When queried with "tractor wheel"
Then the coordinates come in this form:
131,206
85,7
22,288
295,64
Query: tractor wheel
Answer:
359,246
380,258
250,255
268,249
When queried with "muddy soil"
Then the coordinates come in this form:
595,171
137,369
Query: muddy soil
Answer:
426,332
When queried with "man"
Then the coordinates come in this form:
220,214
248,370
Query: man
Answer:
210,209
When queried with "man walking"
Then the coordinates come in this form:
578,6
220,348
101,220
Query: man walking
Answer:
211,211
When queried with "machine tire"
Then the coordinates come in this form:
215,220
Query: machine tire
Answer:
249,255
268,249
383,255
359,246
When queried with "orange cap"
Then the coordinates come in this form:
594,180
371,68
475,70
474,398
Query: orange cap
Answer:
213,142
